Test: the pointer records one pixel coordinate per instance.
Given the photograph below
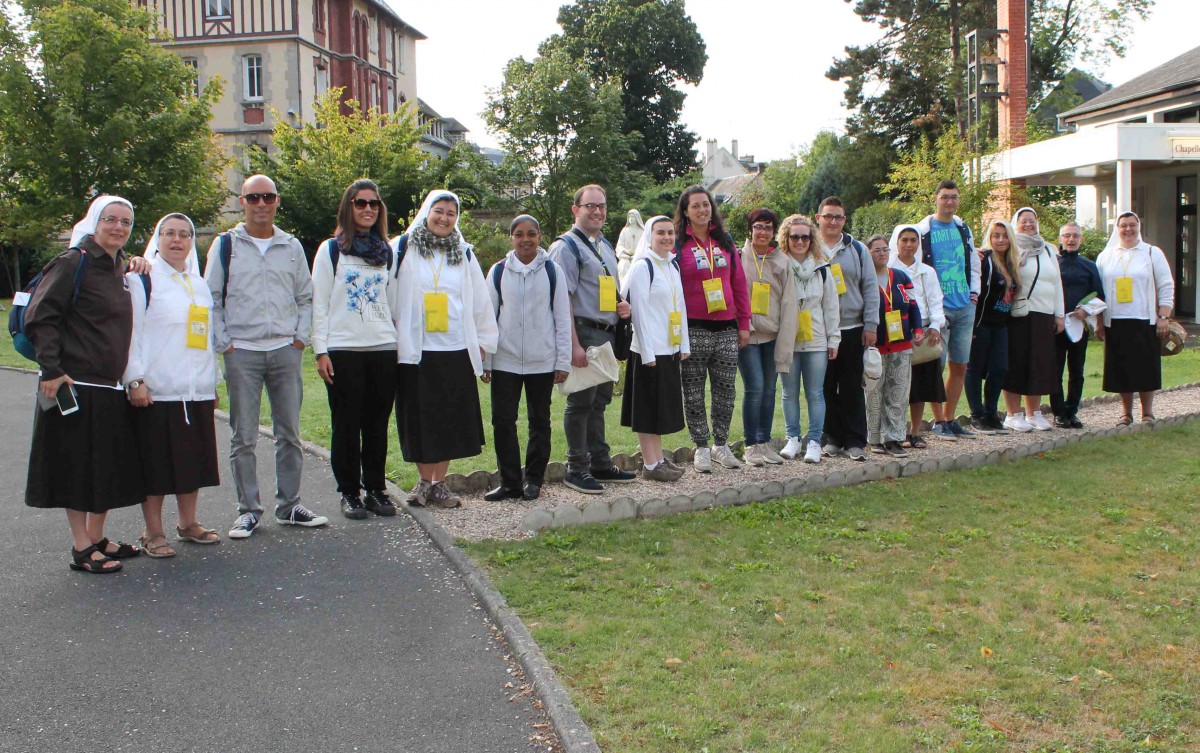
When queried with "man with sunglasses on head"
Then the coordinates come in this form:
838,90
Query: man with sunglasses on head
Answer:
262,321
853,273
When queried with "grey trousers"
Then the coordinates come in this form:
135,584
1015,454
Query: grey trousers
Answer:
246,372
887,404
583,420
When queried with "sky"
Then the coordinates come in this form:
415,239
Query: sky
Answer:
764,84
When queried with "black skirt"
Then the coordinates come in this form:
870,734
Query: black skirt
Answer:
1132,357
1032,359
927,385
178,446
653,399
437,408
88,460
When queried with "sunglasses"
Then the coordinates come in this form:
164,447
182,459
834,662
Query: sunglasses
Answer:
364,203
796,237
264,198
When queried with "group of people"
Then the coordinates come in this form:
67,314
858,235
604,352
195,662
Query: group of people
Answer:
862,329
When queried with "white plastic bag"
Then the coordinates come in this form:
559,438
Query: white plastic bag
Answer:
602,367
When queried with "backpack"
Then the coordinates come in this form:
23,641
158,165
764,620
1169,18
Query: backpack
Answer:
498,272
16,317
650,266
402,250
335,253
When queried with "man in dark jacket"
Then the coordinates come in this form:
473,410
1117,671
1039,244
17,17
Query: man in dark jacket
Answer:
1080,278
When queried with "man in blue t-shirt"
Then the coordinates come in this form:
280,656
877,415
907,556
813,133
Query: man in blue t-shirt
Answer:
948,246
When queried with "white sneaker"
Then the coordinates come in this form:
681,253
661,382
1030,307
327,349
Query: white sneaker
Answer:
793,448
723,455
753,456
703,460
1018,423
769,454
1039,422
813,455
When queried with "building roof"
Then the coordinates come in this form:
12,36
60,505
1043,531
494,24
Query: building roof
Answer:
384,6
730,190
1174,74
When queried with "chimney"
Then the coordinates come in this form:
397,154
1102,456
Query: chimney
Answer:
734,150
710,148
1013,47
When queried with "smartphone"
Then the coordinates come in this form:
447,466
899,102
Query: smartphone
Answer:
67,399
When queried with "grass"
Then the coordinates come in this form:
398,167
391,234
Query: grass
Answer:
315,426
1045,606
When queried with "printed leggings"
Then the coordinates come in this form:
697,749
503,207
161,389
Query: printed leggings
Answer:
715,353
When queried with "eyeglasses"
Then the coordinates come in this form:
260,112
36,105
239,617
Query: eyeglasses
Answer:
112,220
762,228
364,203
177,234
1071,235
797,237
833,217
591,207
265,198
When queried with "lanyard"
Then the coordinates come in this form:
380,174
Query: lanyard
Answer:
186,282
437,273
666,270
708,254
887,294
760,262
1126,261
592,248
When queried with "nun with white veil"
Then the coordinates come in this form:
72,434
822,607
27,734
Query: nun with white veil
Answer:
652,404
83,458
444,324
172,382
627,243
1140,293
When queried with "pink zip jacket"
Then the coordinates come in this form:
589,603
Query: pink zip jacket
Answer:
694,270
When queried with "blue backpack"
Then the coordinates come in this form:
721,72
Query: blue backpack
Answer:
16,317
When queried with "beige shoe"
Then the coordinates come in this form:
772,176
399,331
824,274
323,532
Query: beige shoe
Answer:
769,454
753,456
702,462
723,455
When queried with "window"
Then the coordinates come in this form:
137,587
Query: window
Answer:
218,8
374,87
319,15
373,35
252,77
322,84
194,64
399,64
1187,115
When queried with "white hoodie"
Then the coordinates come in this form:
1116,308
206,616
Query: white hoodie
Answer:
651,303
352,310
534,336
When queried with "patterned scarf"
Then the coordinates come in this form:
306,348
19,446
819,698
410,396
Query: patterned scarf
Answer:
429,244
370,248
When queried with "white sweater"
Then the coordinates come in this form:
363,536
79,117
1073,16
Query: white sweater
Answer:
534,336
651,304
819,297
158,351
1153,285
352,310
1047,295
927,290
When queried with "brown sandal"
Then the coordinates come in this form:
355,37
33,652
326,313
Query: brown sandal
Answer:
197,534
1126,420
1148,418
154,550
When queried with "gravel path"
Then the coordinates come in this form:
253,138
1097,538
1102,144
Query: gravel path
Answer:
477,519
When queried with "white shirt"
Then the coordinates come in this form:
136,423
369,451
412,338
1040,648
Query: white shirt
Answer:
1153,285
651,304
438,276
352,309
262,243
158,350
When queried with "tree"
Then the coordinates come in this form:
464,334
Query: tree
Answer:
563,128
479,183
645,48
833,165
90,104
313,163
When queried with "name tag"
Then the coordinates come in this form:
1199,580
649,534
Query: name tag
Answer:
197,327
1124,290
838,278
714,294
895,327
21,298
760,298
701,259
675,323
804,331
437,312
608,293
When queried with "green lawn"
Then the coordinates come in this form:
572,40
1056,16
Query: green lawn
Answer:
1048,605
315,412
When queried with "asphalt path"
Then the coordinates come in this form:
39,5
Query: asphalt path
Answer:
355,637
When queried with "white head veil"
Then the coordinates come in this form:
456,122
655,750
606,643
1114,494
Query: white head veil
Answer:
87,226
1028,245
645,242
1114,240
431,198
894,244
192,265
634,219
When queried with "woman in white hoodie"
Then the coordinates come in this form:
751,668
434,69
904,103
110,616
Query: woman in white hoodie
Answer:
172,381
533,314
354,339
926,384
1037,317
445,324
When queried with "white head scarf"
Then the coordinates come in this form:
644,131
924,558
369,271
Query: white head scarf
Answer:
894,244
1028,245
192,265
87,226
431,198
644,243
634,219
1114,240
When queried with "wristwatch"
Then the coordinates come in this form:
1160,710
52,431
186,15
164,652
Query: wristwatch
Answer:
134,384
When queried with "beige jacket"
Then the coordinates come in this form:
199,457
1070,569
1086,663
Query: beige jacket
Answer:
776,271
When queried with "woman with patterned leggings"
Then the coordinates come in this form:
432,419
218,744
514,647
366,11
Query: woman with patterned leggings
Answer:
718,314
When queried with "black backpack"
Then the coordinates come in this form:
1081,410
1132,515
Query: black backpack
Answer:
498,273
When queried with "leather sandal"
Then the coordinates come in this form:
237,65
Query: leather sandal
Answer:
124,551
1148,418
1126,420
83,561
197,534
151,548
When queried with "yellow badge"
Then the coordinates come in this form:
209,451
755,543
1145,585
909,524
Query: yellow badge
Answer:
714,294
838,278
197,327
608,293
760,298
895,328
437,312
804,331
1124,290
675,323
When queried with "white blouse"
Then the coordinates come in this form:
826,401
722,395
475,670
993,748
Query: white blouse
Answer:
1153,285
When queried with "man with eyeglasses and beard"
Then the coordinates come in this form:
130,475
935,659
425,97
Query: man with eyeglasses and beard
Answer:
262,321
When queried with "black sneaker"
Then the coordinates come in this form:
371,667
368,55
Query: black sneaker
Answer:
583,482
353,507
1062,422
997,424
501,493
301,516
613,475
982,426
244,526
894,449
380,503
1075,423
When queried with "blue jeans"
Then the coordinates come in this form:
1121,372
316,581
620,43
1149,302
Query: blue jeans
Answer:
989,360
757,366
811,368
960,328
